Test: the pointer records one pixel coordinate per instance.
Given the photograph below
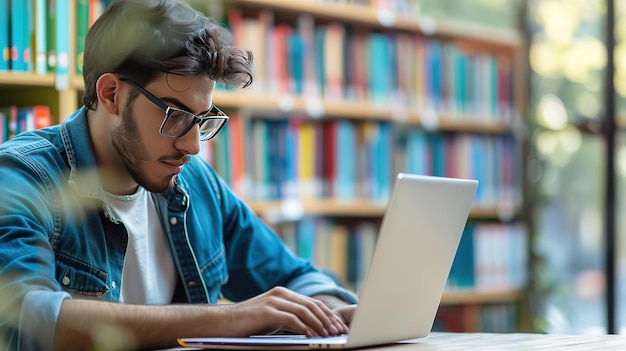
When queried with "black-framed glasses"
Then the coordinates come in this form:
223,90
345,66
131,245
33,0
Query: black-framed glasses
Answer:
178,122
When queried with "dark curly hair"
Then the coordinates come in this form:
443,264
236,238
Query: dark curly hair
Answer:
141,38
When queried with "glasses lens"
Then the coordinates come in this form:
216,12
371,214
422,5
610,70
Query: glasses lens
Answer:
177,122
209,127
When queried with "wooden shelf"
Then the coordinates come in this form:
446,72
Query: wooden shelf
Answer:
465,297
354,208
325,108
321,207
26,79
369,16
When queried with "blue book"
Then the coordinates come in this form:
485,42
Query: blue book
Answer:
493,89
372,134
392,65
62,43
379,70
5,57
25,120
305,237
460,85
292,148
435,57
20,36
260,158
470,84
438,143
478,152
320,34
282,164
417,152
295,62
41,40
462,270
386,159
345,142
220,154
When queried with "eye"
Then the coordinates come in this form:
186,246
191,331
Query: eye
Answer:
177,120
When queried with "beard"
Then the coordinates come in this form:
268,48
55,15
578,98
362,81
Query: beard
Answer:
127,142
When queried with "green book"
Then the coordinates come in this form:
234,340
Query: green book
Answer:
82,25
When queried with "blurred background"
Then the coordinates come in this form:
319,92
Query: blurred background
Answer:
557,135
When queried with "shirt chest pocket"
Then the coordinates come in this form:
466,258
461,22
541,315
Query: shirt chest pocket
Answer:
80,279
215,274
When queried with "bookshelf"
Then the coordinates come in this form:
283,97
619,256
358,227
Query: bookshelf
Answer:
251,105
255,106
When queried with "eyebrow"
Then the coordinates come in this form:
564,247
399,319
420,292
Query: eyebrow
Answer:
181,105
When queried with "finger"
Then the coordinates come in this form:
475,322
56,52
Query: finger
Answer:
338,325
337,321
333,323
304,312
311,311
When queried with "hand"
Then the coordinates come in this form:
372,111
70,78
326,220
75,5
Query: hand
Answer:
343,309
346,312
283,309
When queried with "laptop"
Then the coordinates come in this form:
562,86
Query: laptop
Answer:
416,245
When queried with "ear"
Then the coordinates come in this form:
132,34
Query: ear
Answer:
108,90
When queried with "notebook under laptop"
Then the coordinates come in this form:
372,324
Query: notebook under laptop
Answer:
416,245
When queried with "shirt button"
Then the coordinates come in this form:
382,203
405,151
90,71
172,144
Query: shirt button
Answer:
173,220
66,281
113,284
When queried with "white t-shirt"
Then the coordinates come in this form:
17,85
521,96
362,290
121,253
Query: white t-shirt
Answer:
149,276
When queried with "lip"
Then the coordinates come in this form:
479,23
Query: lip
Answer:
174,167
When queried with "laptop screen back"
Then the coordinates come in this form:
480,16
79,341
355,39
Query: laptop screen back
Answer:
417,242
418,239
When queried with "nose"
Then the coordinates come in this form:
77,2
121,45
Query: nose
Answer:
189,144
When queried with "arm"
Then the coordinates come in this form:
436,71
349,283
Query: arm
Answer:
83,324
257,258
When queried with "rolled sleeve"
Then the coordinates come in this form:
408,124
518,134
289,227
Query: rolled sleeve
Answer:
38,316
318,283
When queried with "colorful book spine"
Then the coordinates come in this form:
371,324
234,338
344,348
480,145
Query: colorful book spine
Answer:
20,38
4,118
40,37
51,36
345,178
62,44
5,47
82,25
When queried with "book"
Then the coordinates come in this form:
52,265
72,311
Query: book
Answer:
5,48
82,25
51,36
4,118
40,37
62,20
20,38
33,117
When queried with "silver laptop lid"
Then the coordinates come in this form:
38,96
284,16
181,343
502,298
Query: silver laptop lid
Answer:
417,242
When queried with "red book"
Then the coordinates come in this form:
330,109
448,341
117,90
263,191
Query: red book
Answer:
235,131
42,116
329,154
280,35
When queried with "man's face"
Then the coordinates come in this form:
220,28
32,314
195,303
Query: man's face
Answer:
152,159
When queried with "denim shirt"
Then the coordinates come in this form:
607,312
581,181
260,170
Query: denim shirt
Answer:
59,239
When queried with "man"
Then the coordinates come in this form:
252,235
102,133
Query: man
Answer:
109,220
